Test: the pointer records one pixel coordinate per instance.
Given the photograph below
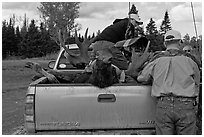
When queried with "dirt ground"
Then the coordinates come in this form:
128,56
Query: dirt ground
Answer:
15,80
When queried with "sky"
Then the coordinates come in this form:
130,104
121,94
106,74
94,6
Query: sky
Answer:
98,15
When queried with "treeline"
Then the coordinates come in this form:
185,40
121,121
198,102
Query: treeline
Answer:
156,36
29,41
34,41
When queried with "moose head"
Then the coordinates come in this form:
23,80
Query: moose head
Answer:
103,74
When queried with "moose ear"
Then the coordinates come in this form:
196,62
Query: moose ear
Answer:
109,60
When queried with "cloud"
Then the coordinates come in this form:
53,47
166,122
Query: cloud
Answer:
19,5
98,15
102,9
155,10
19,9
183,12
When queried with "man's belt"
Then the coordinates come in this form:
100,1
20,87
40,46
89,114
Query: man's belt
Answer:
177,98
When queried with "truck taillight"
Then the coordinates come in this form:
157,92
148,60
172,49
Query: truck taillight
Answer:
30,105
29,116
29,109
29,99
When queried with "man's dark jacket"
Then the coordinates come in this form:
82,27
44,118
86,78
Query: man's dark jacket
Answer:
115,32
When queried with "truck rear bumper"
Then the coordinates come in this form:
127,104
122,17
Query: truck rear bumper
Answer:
150,131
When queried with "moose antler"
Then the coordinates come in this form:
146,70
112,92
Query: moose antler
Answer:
137,61
82,57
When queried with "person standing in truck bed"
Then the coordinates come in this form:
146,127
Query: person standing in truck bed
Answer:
121,29
176,80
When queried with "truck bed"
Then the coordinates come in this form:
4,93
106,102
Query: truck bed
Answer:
68,107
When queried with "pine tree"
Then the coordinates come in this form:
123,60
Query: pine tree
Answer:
4,40
47,44
156,39
151,27
166,24
186,39
24,28
30,43
193,42
11,39
23,32
44,40
18,40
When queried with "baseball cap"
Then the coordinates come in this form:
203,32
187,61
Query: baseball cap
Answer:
172,35
133,13
187,48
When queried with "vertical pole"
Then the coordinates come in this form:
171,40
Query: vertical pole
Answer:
129,9
194,20
199,113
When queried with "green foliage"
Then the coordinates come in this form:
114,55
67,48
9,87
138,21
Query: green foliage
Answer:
156,39
60,16
9,41
4,40
37,42
166,24
33,41
186,39
151,27
30,42
156,42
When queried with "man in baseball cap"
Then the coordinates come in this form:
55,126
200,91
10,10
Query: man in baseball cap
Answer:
133,14
173,38
172,35
175,79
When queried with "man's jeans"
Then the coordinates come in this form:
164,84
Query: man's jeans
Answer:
175,116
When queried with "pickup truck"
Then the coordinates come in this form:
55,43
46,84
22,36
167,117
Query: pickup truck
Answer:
68,107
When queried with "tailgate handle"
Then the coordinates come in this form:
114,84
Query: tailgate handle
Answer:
106,98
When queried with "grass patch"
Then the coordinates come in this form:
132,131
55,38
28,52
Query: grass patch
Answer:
15,75
52,56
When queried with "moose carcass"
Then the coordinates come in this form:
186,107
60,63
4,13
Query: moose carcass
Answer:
104,73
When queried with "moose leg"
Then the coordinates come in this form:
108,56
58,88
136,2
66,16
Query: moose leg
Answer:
63,77
36,67
82,78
